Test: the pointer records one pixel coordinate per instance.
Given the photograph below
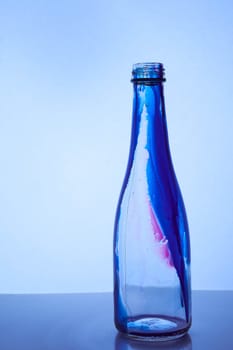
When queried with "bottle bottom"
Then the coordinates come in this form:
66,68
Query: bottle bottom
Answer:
156,327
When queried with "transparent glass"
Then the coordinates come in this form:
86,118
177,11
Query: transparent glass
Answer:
152,292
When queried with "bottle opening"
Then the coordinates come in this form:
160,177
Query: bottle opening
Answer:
151,72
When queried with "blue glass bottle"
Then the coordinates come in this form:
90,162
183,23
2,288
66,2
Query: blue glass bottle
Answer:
152,292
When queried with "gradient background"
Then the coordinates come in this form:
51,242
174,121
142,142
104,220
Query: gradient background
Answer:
65,120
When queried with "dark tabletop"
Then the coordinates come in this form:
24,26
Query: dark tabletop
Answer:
85,322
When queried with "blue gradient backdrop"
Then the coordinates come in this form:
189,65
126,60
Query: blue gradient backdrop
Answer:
65,121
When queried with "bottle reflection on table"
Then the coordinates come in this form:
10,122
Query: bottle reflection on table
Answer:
123,342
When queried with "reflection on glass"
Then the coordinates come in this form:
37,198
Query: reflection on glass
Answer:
123,342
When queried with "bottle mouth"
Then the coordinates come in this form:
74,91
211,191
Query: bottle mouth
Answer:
151,72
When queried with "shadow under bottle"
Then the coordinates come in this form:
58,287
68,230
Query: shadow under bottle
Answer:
125,343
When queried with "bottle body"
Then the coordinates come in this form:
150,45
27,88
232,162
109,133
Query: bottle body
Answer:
152,293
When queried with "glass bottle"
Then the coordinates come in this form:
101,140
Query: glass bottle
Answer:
152,292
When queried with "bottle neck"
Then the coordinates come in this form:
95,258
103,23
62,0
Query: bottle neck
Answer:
149,148
149,129
149,100
148,80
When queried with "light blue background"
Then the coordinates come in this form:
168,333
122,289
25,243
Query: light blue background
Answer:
65,119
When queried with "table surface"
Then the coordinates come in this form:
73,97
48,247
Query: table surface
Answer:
85,322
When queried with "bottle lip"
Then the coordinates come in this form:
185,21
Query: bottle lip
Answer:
152,72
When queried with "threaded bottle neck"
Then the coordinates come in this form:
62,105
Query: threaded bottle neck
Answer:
148,73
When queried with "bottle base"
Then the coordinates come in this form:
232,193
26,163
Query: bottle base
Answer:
156,328
155,338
